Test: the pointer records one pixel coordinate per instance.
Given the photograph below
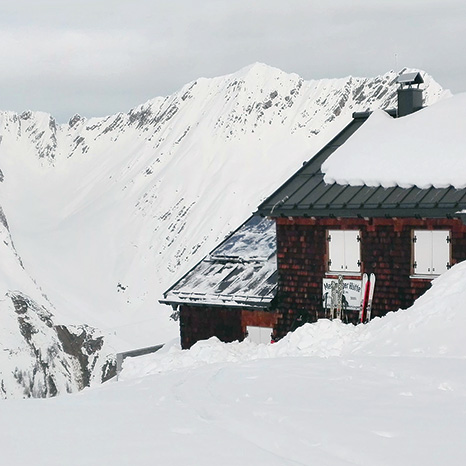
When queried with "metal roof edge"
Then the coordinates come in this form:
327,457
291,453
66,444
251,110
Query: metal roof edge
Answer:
434,212
243,305
363,115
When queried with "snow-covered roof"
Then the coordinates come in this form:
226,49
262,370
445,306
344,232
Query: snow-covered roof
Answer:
424,149
381,166
240,272
410,78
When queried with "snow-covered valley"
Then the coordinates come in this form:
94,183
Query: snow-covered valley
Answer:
105,213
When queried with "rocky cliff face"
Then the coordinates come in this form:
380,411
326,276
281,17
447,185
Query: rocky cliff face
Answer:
107,212
39,358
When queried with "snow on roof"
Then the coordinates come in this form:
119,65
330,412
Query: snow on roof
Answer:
424,149
254,240
242,271
410,78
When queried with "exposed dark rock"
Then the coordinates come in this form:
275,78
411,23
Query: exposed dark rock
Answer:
142,116
75,119
108,369
22,304
82,346
26,115
26,329
39,379
267,104
52,125
3,219
67,360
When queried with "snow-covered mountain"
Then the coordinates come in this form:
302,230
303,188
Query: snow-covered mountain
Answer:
107,212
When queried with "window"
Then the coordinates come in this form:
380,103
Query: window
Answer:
431,252
259,334
344,251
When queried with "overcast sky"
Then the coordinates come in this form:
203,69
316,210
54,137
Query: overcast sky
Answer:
99,57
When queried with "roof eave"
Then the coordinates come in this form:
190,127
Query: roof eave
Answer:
247,305
435,212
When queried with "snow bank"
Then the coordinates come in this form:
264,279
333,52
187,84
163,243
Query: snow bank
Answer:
434,327
423,149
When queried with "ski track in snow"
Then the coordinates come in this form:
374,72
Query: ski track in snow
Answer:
282,411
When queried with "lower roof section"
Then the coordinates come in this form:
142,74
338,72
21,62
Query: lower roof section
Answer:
240,272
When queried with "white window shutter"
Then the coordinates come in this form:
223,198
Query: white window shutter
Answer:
336,251
440,251
352,251
423,252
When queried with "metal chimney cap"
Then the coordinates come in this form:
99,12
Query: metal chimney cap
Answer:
410,78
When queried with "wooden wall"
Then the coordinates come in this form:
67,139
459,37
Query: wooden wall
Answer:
226,323
386,250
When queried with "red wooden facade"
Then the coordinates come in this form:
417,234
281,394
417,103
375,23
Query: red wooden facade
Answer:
226,323
386,250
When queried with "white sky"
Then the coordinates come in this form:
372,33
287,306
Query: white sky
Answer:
103,56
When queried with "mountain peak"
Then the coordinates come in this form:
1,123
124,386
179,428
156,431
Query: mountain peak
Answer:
261,70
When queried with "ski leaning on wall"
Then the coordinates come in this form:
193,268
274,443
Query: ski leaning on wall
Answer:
364,296
371,296
367,294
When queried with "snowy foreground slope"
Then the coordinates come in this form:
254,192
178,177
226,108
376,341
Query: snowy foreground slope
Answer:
105,213
389,393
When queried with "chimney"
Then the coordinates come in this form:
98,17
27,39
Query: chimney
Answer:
409,97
